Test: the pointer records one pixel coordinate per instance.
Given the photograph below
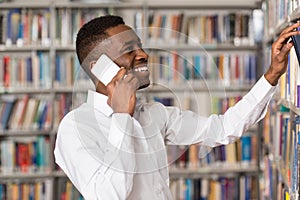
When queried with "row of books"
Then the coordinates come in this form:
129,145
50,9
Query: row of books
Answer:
36,190
25,155
242,187
281,136
275,185
243,152
34,70
25,27
69,21
221,104
214,27
238,69
67,191
26,113
290,81
31,26
25,70
21,26
68,71
221,28
36,112
62,105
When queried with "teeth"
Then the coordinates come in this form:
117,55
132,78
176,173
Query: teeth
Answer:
141,69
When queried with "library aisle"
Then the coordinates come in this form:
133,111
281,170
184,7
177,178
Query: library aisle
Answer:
211,52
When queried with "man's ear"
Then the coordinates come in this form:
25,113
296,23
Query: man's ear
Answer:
92,63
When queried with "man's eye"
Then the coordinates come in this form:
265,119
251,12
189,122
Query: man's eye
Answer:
129,49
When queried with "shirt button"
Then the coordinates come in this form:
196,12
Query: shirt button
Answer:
159,189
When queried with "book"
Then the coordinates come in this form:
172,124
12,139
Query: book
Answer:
296,42
5,115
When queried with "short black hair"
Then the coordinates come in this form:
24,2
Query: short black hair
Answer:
93,32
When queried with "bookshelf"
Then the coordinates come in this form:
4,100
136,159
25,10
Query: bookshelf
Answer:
48,72
281,126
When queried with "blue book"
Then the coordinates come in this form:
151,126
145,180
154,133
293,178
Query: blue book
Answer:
1,191
34,153
161,66
197,67
189,188
29,78
296,42
57,69
248,181
41,68
246,148
8,107
40,152
43,116
187,72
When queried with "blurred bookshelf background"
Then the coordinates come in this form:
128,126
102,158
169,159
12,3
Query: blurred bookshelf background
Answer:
211,52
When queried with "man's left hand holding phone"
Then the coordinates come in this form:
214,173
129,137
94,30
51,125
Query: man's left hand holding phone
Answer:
121,86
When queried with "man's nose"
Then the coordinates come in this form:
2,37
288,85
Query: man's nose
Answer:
141,55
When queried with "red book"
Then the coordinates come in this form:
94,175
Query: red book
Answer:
23,157
6,78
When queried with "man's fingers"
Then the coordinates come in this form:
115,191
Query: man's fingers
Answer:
128,77
132,80
286,36
290,28
284,51
121,73
281,41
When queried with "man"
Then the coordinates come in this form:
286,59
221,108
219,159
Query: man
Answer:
112,147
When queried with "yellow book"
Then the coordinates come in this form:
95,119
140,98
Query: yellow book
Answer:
282,84
230,151
68,190
221,67
287,196
15,191
37,194
193,156
25,191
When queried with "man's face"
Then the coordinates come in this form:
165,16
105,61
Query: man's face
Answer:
125,49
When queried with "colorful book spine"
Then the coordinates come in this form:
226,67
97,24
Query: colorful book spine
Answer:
219,187
25,156
27,190
26,113
23,71
26,27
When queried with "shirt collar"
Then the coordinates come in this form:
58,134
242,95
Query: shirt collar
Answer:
99,102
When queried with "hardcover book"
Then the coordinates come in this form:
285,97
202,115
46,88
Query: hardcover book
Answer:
296,41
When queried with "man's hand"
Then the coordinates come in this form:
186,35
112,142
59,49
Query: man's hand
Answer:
122,92
280,51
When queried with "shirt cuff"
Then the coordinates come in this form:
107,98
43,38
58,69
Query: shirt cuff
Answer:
262,89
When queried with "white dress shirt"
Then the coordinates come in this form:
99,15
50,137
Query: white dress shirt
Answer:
110,156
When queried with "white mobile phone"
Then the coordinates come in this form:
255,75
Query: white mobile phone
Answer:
105,69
